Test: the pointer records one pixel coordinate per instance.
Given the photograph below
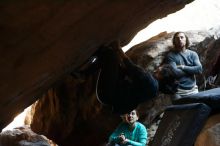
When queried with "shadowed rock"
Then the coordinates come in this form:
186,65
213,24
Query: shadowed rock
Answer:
43,41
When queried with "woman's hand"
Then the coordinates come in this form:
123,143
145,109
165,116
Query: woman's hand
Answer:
123,139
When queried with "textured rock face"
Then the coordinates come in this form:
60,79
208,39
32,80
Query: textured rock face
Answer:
149,54
210,134
22,136
42,41
71,106
73,115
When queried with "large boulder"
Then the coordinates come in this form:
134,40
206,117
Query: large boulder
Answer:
210,133
71,106
23,136
43,41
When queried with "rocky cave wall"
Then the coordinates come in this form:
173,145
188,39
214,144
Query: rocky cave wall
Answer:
70,112
43,41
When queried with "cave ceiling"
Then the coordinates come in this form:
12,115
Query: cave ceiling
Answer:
42,41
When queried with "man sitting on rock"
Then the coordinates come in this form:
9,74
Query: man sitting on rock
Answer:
185,65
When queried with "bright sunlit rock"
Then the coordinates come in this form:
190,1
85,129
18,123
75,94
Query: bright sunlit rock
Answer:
200,14
18,121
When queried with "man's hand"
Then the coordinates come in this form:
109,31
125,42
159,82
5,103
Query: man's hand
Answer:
211,80
180,66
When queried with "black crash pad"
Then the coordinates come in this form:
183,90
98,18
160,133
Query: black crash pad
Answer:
181,124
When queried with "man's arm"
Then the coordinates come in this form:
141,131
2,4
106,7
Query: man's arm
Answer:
176,69
196,68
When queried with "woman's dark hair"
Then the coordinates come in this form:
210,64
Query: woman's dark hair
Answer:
174,36
137,112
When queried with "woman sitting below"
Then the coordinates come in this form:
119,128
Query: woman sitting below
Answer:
130,132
